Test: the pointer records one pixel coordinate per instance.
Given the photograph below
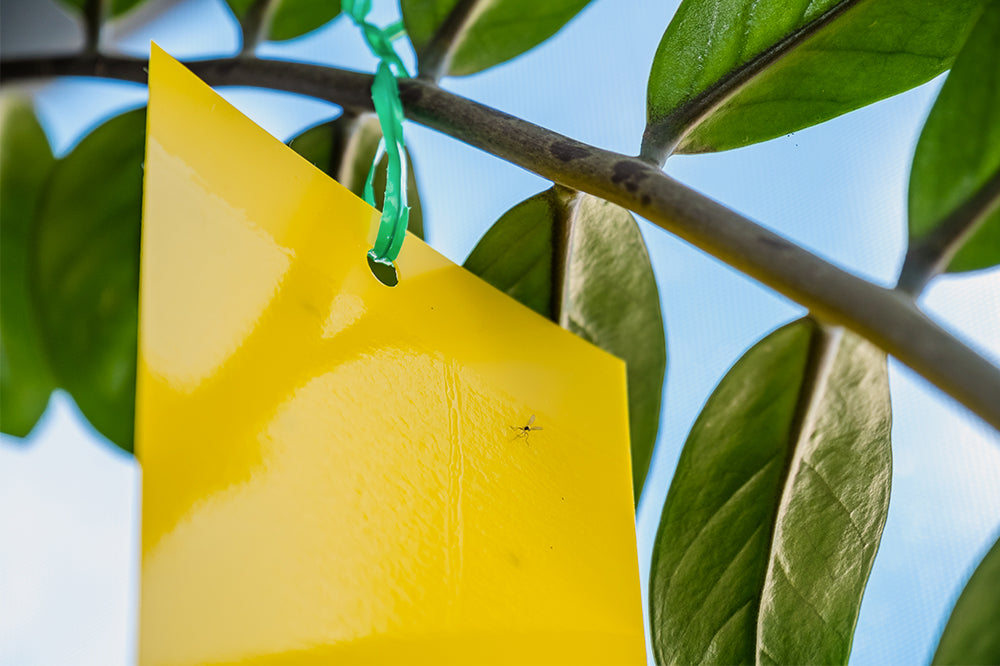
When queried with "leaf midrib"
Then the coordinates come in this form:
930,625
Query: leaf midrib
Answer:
566,205
823,346
434,60
663,136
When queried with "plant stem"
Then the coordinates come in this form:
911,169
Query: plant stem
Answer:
434,59
887,318
931,255
566,201
251,25
343,87
93,17
344,145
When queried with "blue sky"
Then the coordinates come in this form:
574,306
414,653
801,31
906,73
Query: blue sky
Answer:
69,502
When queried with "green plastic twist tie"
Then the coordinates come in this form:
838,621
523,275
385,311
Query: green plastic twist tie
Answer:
389,108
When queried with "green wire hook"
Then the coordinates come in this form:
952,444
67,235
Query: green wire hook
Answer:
389,108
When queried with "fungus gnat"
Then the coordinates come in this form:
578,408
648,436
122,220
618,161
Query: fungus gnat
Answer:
526,430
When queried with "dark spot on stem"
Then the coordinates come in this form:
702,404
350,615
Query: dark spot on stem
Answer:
629,174
644,200
410,94
627,170
566,151
775,243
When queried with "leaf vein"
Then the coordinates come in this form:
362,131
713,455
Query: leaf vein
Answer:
715,585
715,514
782,567
830,490
725,624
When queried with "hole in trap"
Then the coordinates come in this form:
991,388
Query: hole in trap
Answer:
384,271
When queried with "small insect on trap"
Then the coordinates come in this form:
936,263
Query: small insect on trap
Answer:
340,472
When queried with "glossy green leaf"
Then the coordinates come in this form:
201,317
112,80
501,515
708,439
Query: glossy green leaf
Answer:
729,73
119,7
971,635
609,295
959,148
517,254
86,272
25,164
344,149
116,7
777,505
293,18
494,32
252,17
285,19
240,7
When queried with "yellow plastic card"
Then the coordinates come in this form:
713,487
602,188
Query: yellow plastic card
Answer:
338,472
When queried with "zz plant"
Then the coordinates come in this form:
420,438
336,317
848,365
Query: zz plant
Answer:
769,561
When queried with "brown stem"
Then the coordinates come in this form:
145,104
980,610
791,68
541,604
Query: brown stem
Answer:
93,18
252,25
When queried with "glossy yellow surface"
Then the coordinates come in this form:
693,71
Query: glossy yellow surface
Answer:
331,469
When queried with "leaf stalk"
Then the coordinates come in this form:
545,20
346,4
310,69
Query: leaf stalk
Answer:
434,60
930,256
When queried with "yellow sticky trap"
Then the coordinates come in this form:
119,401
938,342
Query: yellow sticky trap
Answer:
335,471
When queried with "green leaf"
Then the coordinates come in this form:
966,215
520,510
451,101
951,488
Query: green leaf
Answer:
777,505
117,7
971,635
608,297
284,19
493,32
293,18
729,73
86,271
25,164
959,148
344,149
240,8
517,254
